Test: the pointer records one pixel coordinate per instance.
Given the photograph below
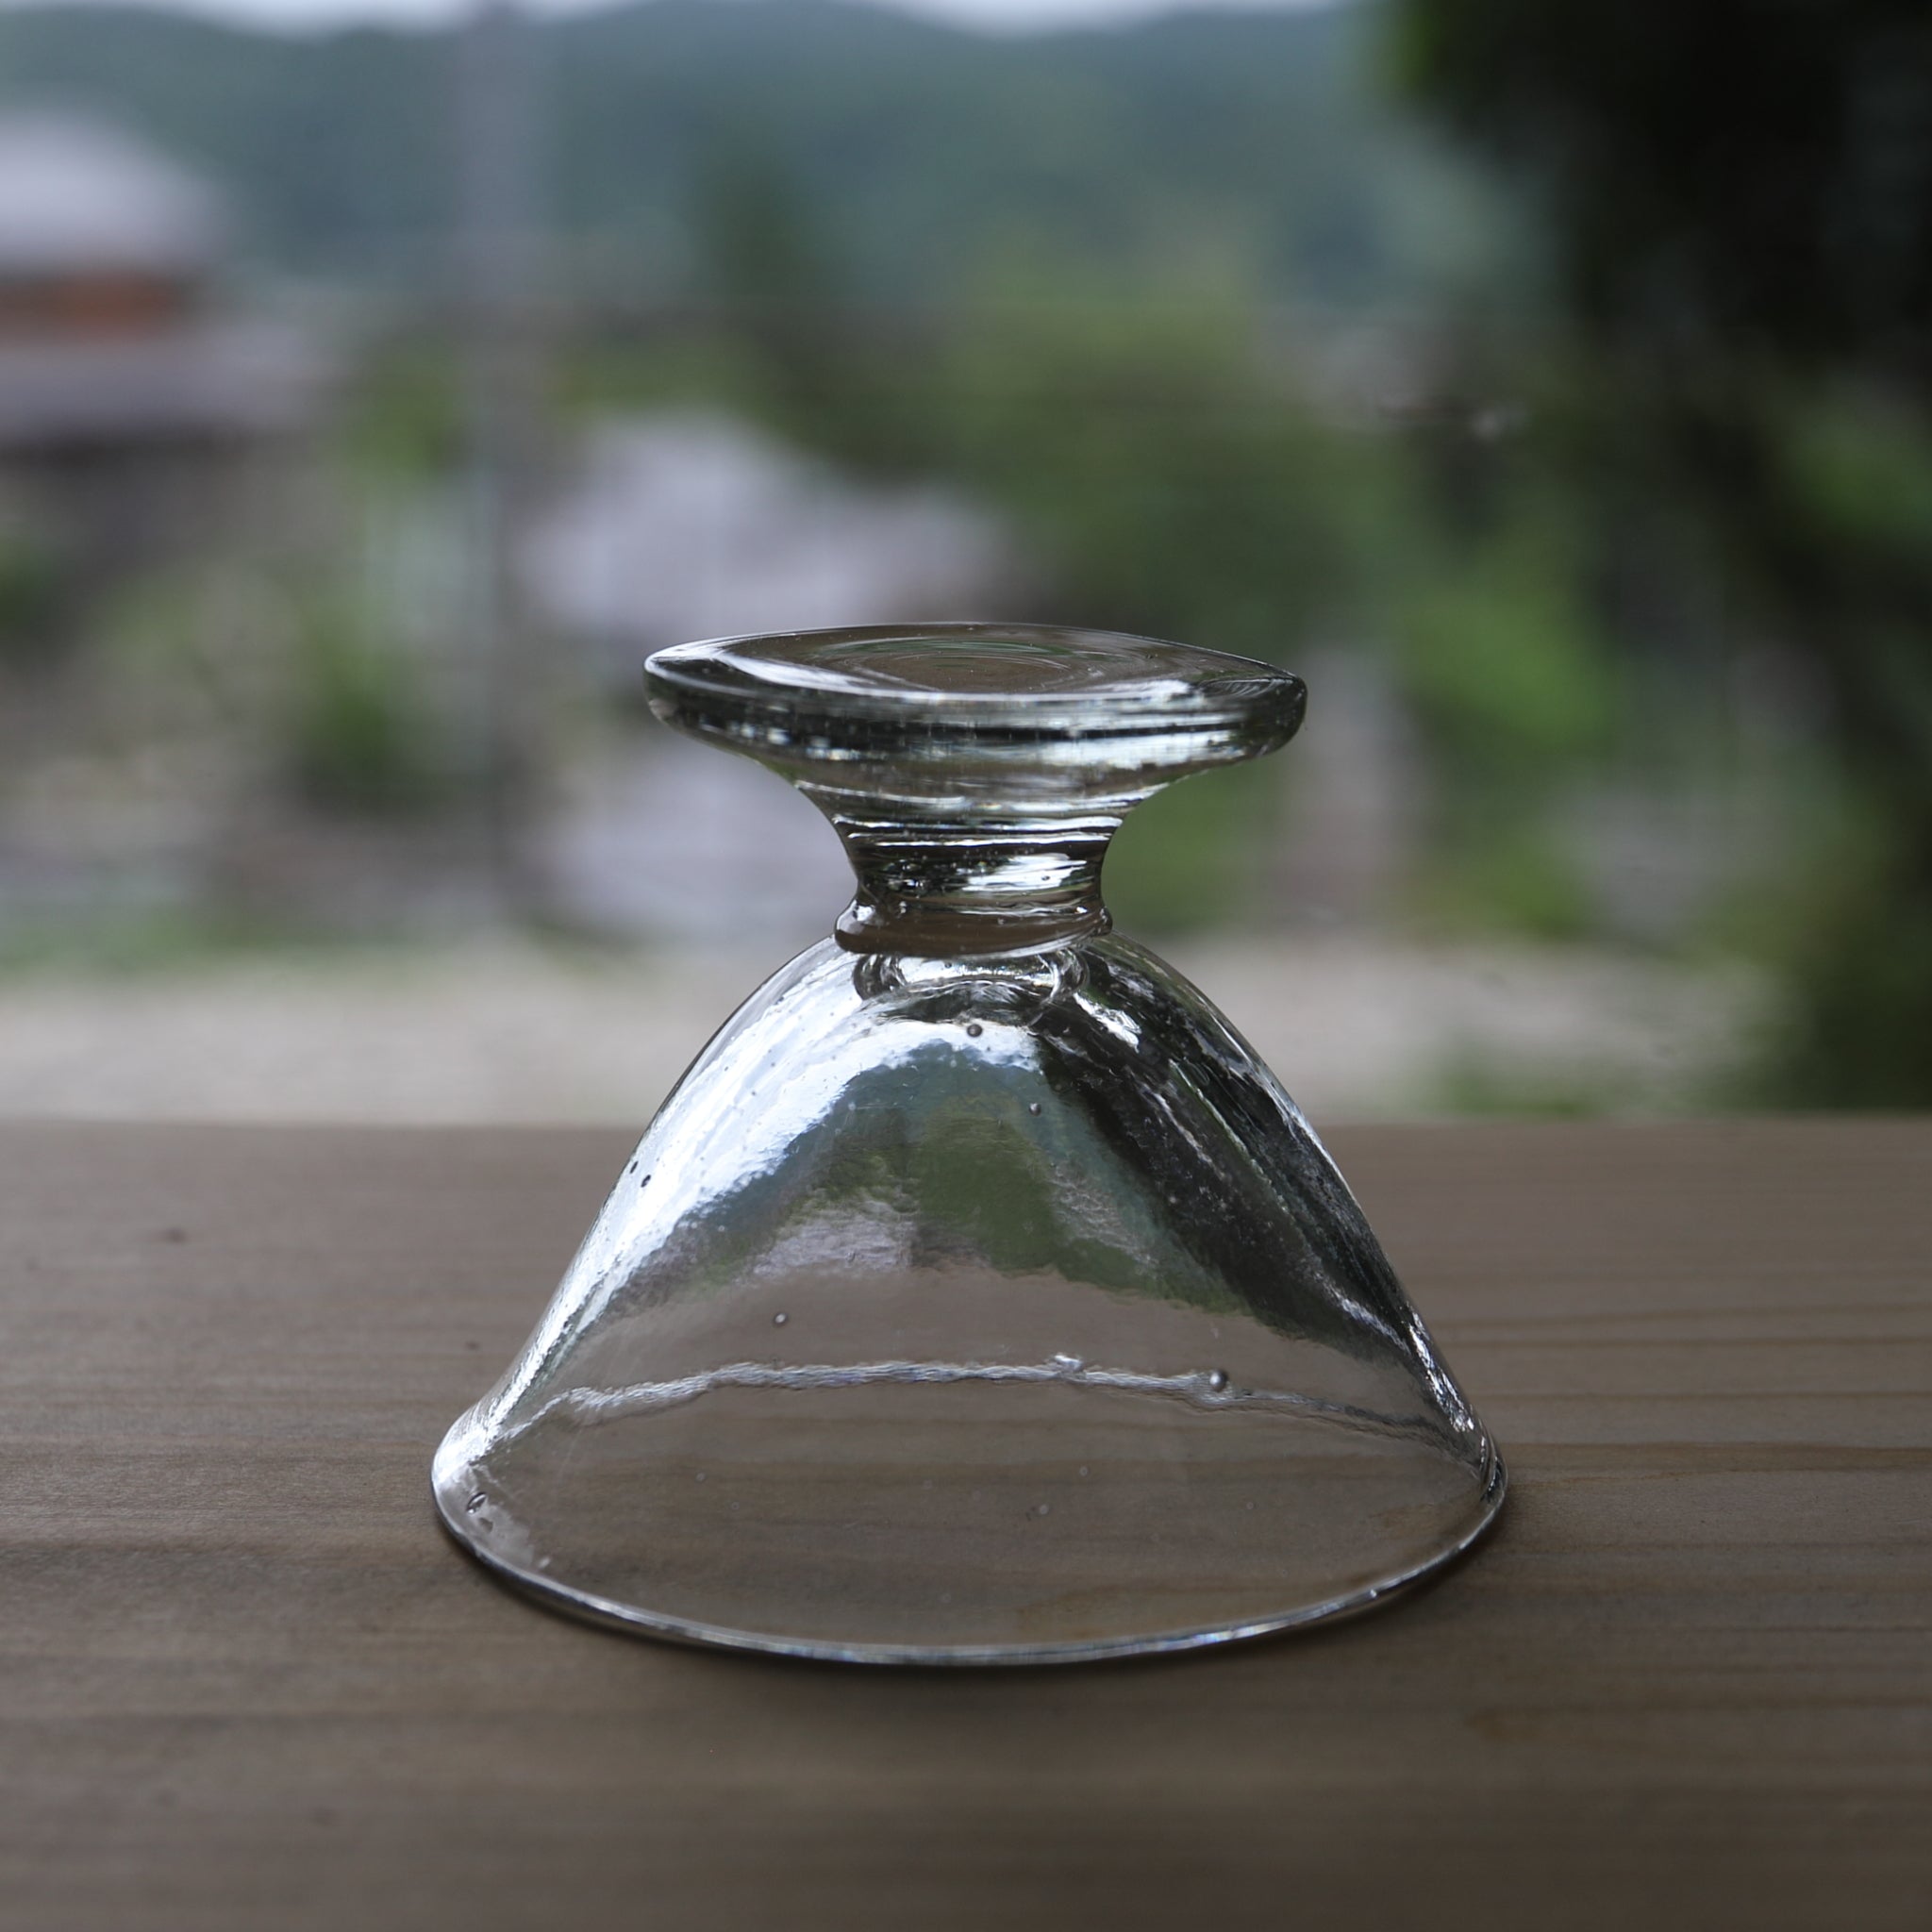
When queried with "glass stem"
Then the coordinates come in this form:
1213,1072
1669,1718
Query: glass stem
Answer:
950,886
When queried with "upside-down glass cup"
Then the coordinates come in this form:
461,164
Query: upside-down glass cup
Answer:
978,1296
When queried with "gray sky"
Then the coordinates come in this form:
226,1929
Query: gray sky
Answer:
989,13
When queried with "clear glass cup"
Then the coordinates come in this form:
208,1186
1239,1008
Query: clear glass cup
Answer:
976,1297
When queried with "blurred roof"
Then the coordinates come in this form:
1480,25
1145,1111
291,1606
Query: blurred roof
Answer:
215,381
80,194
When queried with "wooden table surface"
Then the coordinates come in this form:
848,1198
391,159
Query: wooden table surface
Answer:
248,1685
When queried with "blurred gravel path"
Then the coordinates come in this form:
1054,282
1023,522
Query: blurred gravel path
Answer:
516,1033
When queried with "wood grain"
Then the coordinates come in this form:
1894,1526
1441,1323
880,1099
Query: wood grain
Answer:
247,1685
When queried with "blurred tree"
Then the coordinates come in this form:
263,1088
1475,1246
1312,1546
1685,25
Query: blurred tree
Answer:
361,738
1739,197
766,266
1166,482
33,587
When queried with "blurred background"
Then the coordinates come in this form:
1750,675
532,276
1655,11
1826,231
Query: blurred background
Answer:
1550,385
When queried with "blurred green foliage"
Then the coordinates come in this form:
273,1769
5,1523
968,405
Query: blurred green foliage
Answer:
33,588
1168,485
1740,212
1183,860
362,737
403,419
1503,660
